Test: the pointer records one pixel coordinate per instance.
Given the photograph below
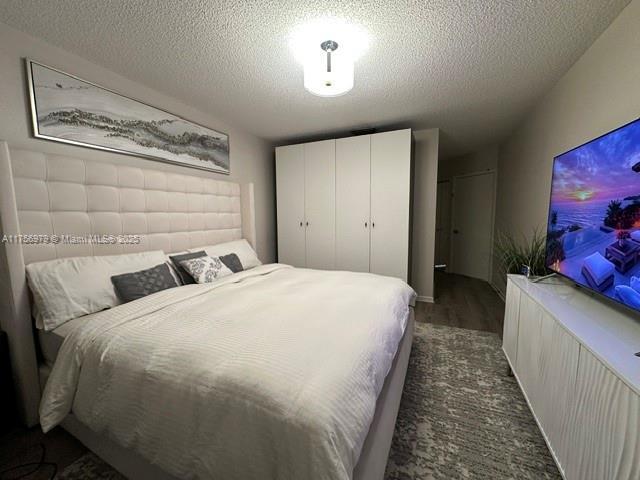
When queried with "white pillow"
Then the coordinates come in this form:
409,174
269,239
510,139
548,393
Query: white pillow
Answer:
599,267
241,248
629,296
67,288
206,269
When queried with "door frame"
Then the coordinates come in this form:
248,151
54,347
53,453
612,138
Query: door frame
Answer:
449,227
491,171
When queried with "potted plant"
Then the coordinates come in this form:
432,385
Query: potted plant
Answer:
622,237
514,253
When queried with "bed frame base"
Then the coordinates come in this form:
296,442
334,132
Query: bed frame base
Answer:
370,466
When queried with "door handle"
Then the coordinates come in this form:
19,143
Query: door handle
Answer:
307,224
365,224
456,231
373,224
300,223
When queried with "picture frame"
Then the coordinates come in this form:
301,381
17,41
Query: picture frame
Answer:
69,109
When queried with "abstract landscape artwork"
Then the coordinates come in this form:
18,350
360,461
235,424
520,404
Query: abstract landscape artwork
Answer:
68,109
593,233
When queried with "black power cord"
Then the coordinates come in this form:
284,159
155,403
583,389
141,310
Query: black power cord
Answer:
36,467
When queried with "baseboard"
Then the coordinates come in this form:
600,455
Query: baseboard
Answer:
423,298
498,291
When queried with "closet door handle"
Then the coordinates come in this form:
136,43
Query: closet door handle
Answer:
300,223
307,224
373,224
365,224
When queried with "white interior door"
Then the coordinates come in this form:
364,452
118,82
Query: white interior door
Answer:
472,225
290,200
443,223
390,201
320,203
353,203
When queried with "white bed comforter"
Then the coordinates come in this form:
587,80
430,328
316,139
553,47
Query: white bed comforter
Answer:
272,373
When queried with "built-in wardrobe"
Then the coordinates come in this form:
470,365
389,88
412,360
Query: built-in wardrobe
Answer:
344,204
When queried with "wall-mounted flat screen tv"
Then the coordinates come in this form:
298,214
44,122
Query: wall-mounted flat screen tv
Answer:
593,231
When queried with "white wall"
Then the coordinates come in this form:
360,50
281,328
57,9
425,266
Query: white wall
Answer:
479,161
424,211
599,93
251,157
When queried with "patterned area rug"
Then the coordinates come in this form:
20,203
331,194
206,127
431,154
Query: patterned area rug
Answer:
89,467
461,417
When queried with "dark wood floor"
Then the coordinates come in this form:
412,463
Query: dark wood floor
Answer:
20,446
463,302
460,302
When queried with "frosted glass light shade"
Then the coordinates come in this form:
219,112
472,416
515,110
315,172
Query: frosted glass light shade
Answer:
321,82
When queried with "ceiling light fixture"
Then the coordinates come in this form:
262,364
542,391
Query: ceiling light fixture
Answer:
328,74
328,50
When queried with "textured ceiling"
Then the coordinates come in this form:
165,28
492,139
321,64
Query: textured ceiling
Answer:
471,68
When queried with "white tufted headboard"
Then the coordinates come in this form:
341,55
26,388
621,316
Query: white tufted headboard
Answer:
42,194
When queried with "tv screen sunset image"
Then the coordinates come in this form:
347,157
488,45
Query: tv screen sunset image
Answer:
593,231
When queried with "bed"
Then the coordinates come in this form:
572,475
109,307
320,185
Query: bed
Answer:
280,403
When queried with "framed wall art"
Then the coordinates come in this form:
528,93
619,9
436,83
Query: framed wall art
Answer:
68,109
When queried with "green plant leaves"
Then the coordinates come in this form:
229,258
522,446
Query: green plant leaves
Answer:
512,253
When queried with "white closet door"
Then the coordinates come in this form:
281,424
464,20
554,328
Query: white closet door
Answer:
390,200
290,199
471,242
353,203
320,203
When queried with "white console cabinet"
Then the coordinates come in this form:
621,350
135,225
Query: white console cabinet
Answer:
573,357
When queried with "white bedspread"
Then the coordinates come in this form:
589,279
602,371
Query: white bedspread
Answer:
272,373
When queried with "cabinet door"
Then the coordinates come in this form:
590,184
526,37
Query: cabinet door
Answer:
558,365
390,202
605,425
320,203
510,331
529,344
290,204
352,203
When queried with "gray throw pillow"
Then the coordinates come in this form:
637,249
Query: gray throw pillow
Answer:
232,262
185,277
131,286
